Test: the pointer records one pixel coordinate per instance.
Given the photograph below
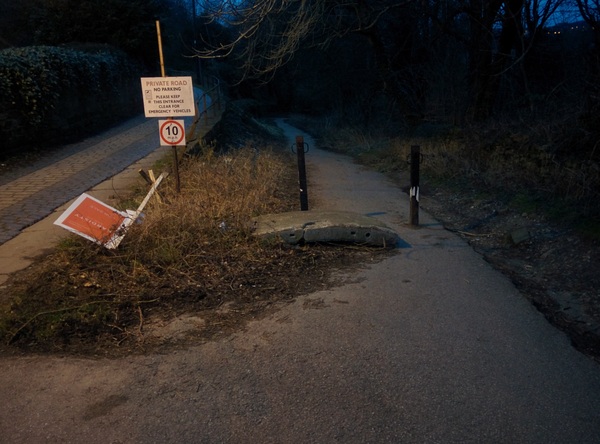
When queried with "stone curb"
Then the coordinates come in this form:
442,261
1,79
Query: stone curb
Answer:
326,226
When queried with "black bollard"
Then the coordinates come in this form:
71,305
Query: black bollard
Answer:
415,160
302,173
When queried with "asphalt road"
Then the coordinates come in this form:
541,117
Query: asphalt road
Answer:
430,345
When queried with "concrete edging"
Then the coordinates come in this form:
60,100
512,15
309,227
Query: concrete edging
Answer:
325,226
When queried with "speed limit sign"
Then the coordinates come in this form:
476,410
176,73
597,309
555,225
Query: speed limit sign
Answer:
172,132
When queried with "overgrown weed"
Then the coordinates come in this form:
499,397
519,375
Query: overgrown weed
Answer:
193,250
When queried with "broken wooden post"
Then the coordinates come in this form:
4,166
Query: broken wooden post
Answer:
150,180
145,176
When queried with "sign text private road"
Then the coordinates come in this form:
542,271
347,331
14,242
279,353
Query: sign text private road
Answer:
168,96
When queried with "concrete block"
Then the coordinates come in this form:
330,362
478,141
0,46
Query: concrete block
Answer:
325,226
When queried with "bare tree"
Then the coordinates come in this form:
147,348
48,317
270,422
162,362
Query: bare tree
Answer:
537,13
590,11
269,32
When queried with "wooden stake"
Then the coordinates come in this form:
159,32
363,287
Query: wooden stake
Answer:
145,176
153,179
160,51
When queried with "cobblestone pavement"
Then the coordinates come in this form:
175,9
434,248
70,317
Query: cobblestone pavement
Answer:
32,192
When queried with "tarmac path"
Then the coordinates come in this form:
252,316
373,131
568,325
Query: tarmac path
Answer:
430,345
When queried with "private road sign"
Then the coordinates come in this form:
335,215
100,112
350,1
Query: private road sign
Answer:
168,96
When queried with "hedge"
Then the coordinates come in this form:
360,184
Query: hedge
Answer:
51,95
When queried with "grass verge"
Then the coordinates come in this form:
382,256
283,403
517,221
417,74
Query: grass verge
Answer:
193,252
532,167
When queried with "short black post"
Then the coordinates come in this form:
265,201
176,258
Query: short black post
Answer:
302,173
415,160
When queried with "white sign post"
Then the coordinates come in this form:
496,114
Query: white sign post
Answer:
168,96
172,132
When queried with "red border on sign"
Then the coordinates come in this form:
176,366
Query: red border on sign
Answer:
175,123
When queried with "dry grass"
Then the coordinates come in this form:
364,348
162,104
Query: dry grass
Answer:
194,252
219,196
553,166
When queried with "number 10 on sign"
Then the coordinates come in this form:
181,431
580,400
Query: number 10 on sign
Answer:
172,132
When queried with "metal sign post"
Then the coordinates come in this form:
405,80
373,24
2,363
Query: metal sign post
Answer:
172,132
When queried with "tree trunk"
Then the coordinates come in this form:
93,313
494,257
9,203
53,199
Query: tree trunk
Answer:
486,67
389,78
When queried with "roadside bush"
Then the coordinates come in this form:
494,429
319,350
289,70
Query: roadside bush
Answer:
50,95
